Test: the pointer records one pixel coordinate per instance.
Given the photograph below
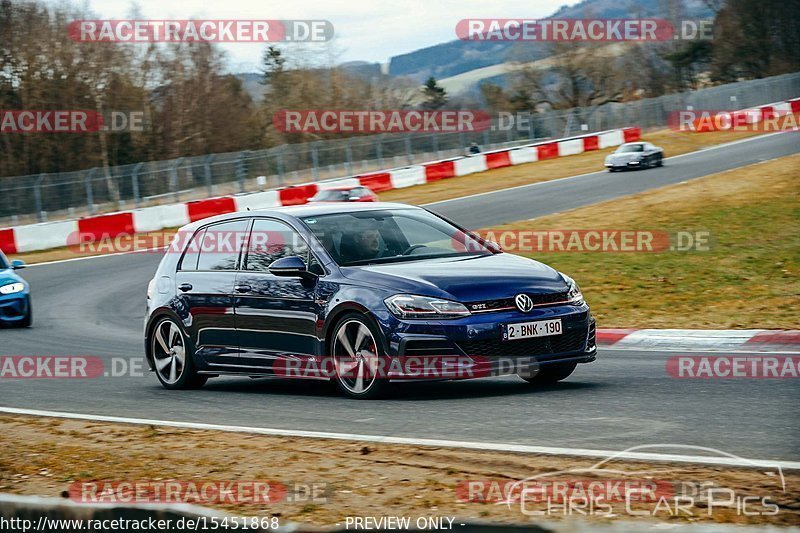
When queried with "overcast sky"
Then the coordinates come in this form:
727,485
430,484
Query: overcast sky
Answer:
370,30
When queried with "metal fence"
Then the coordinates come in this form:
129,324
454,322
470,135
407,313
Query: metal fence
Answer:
25,199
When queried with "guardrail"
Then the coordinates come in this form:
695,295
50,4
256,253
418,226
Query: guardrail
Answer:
43,236
43,197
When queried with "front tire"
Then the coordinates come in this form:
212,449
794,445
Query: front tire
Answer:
172,359
357,353
552,373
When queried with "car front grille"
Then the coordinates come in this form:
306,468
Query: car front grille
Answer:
508,303
428,347
570,341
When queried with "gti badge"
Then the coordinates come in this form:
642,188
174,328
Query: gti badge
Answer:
524,302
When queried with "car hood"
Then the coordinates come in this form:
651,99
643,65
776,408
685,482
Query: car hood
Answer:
625,157
465,279
9,276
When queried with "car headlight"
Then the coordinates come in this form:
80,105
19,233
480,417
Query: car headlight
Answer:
12,288
574,295
411,306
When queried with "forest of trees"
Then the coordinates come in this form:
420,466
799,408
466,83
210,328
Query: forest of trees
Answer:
193,106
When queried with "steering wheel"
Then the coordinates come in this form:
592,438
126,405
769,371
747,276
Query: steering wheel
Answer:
412,248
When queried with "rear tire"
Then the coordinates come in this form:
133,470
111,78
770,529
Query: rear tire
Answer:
660,162
172,357
357,350
551,373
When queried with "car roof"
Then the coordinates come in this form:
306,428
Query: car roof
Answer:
305,210
340,188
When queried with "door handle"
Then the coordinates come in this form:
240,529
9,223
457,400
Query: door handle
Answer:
184,287
242,288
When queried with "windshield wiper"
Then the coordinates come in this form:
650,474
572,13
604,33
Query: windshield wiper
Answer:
404,258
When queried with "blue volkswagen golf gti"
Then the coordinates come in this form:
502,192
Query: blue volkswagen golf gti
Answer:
362,295
15,299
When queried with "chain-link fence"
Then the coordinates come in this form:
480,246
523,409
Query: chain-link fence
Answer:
25,199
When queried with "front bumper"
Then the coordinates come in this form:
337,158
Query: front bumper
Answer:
629,164
472,347
14,307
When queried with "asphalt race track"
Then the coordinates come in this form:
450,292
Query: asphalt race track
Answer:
95,307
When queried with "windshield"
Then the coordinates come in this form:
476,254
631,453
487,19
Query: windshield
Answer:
331,195
3,261
369,237
630,148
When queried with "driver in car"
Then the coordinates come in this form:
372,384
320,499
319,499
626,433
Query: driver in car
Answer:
362,244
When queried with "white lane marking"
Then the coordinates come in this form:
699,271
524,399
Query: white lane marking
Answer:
718,146
490,446
698,349
143,251
602,172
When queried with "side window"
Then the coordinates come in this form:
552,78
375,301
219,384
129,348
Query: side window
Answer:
189,261
271,240
221,244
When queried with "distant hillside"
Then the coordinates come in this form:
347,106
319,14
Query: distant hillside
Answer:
251,81
461,65
457,57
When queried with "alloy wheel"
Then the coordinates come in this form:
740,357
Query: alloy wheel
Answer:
169,352
355,357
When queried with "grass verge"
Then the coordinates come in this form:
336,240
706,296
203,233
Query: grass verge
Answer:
44,457
747,279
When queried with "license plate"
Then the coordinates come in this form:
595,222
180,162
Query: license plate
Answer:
527,330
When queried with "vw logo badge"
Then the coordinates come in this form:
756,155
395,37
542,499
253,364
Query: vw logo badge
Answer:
524,302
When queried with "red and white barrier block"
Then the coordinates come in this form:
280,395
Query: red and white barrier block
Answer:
59,234
724,340
64,233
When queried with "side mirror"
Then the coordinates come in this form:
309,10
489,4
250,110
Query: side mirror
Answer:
17,264
291,266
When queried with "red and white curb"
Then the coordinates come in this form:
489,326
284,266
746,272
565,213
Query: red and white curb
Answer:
59,234
730,340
